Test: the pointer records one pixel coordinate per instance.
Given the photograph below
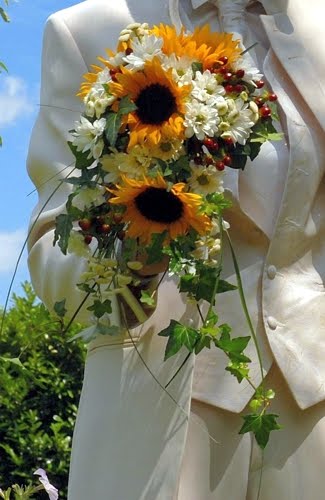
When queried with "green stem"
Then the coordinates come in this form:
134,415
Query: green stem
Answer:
134,305
244,306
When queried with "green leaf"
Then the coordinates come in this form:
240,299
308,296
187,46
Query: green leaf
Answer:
113,124
203,342
4,15
100,308
126,106
178,336
59,308
63,227
238,370
155,249
14,361
81,160
146,298
255,149
261,425
224,286
3,66
197,66
236,345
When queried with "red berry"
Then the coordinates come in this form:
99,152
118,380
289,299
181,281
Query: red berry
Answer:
85,224
209,160
208,142
227,76
265,112
113,73
223,70
223,60
240,73
229,142
259,84
104,228
272,97
239,88
220,165
259,101
211,144
87,239
227,160
229,88
128,51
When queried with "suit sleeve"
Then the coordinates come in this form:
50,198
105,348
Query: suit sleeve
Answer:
54,275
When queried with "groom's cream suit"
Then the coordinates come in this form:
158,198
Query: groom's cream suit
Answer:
130,436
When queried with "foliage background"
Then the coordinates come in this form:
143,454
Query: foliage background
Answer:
40,383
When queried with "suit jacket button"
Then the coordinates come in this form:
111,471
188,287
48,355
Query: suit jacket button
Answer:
271,322
271,272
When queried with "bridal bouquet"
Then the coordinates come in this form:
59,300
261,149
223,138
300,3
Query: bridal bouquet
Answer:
164,116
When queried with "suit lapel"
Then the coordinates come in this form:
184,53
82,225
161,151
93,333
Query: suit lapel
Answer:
304,66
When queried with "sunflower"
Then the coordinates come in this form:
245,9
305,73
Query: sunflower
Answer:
180,44
160,103
220,45
153,208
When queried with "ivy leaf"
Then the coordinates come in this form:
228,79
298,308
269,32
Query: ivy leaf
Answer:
59,308
238,370
236,345
179,335
146,298
100,308
81,159
255,149
261,426
224,286
155,250
126,106
62,231
203,342
113,124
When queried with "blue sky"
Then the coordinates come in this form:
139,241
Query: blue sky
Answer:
20,50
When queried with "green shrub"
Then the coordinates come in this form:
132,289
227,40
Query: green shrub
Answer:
38,400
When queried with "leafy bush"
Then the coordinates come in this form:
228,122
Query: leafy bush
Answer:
40,382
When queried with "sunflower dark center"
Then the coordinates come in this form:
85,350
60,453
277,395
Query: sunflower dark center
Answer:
159,205
156,103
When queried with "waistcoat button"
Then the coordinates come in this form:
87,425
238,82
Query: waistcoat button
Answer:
271,322
271,272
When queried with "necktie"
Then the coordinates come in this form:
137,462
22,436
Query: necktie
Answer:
232,17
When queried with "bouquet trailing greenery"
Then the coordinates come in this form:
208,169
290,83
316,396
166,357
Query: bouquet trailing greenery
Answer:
164,116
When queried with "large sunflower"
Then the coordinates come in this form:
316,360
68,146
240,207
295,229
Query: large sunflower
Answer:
220,45
160,103
152,208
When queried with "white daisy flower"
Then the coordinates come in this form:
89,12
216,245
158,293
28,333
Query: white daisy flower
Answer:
77,245
238,122
89,196
200,120
251,73
205,180
181,66
144,49
86,136
206,88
